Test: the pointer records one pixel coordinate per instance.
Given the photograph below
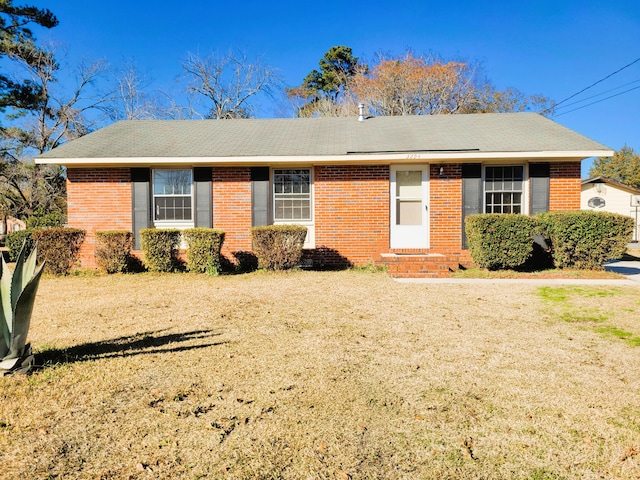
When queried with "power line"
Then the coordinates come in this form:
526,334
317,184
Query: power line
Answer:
599,81
591,86
566,105
597,101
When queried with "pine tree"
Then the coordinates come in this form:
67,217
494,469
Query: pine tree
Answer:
17,43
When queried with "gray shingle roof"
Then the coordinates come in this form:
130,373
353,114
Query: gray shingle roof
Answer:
511,132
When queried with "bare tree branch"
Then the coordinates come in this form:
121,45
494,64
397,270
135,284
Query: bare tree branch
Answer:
131,100
229,83
27,189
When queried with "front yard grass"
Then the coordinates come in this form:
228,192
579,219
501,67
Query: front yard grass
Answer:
549,273
332,375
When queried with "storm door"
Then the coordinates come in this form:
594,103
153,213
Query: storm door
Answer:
409,206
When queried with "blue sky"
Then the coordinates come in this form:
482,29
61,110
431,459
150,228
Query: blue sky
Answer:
551,47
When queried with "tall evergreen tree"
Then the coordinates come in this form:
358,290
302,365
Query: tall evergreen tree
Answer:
17,42
321,89
336,67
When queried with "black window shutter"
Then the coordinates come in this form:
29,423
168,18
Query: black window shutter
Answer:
538,188
141,198
203,196
471,193
260,195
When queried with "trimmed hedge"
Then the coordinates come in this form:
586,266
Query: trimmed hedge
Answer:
203,255
500,241
59,248
113,250
278,247
160,248
585,239
575,239
16,239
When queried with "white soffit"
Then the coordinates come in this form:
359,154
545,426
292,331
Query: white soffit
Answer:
382,158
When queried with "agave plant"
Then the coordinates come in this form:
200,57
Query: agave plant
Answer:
17,295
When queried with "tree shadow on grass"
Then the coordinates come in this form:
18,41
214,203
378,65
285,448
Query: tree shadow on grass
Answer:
143,343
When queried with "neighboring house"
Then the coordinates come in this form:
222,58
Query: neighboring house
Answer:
601,193
9,225
14,225
385,189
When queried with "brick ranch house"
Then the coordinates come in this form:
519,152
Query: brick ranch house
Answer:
389,190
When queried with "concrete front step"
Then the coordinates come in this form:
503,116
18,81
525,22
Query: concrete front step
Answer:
419,265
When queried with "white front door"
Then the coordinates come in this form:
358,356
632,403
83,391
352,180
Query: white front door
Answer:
409,206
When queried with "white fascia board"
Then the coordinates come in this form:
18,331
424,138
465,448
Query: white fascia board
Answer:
359,158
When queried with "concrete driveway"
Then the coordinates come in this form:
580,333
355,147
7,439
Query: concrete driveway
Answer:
630,269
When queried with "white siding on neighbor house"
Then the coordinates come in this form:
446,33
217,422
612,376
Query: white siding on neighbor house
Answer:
617,200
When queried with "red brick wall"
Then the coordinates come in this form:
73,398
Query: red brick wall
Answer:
351,206
98,199
564,186
232,208
445,208
446,200
345,229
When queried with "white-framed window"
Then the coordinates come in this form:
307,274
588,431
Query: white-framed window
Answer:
172,195
292,195
504,189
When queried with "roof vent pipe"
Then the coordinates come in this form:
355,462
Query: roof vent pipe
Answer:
361,112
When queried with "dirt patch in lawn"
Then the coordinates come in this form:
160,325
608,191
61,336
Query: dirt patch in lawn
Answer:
324,375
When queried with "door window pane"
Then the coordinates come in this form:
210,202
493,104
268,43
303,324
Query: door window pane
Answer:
409,184
409,212
409,197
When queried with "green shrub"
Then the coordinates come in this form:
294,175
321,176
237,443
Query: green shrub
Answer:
16,239
160,248
113,250
585,239
278,247
203,255
51,219
59,248
500,241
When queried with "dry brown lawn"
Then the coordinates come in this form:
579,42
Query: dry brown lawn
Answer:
337,375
